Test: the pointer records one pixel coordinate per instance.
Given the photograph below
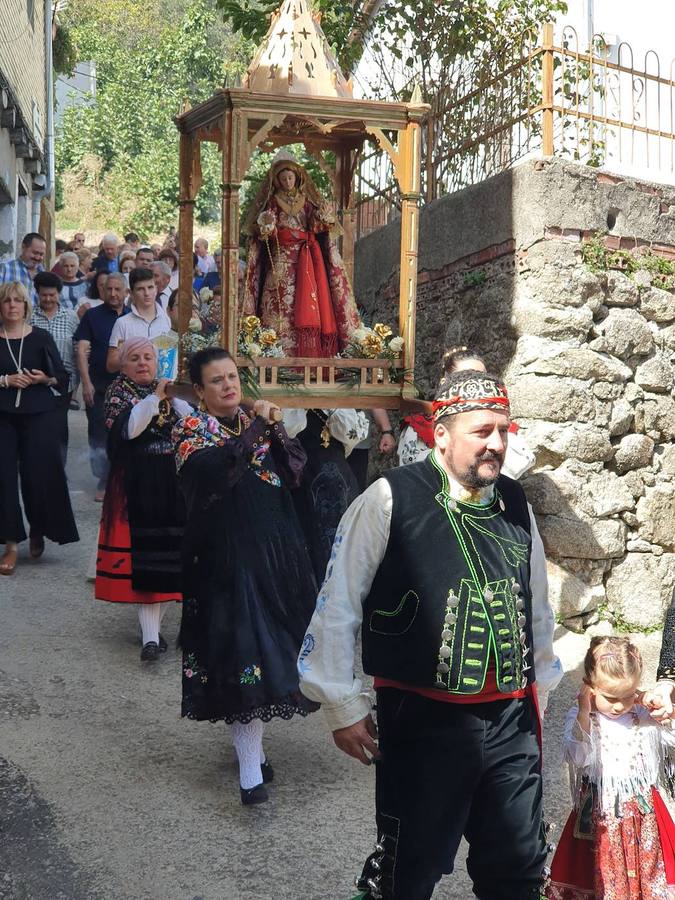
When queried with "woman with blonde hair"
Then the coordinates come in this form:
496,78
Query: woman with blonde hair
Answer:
30,370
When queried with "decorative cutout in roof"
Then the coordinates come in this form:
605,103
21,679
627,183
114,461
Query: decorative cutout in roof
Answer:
294,58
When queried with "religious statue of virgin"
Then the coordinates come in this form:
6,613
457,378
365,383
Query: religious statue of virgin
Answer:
295,280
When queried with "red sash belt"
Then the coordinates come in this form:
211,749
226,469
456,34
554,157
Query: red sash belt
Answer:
314,318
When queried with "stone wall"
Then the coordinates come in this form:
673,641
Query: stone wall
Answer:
587,356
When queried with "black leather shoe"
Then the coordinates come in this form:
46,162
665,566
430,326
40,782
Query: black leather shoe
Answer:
163,646
150,652
256,795
267,772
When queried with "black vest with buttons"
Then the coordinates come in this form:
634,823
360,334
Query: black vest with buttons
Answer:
452,595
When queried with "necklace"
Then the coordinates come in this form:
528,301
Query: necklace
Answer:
324,418
17,362
235,432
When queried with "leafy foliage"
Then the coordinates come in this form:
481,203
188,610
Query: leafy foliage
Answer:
64,51
123,145
430,42
340,19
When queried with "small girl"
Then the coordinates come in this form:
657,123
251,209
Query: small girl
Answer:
618,843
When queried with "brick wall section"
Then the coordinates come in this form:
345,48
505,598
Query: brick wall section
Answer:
22,58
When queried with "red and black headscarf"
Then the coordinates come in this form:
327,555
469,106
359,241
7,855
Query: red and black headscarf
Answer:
466,391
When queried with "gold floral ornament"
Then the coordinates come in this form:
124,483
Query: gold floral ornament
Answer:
382,331
254,340
268,337
250,324
372,346
373,343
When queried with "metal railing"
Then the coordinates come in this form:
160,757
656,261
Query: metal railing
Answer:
543,96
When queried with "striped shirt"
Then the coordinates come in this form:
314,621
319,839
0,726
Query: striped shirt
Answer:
17,270
62,328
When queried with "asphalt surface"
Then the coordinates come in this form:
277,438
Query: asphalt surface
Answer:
107,794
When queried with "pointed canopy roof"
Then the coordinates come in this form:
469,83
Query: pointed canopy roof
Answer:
294,58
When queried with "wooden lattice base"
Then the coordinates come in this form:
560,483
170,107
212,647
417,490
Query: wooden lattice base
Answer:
309,382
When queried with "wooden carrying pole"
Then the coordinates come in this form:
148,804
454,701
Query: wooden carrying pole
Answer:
186,203
409,183
230,233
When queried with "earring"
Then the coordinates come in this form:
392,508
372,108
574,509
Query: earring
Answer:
201,406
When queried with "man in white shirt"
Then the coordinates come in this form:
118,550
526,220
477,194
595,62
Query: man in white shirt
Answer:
162,275
441,565
205,262
146,318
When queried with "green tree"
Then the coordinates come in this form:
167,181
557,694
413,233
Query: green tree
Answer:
123,145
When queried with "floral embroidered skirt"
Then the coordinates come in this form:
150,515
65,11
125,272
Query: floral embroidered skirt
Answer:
623,860
249,595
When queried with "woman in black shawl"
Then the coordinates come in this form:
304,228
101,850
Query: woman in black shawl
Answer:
142,523
247,578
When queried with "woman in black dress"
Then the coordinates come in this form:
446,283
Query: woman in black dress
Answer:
30,371
328,486
142,522
248,586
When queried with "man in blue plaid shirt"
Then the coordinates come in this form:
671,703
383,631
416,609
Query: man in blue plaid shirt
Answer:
26,266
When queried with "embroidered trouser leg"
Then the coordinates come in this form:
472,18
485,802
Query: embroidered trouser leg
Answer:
452,769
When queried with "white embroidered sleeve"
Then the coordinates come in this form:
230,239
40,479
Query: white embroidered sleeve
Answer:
326,660
547,666
182,407
411,447
349,426
578,746
141,415
295,421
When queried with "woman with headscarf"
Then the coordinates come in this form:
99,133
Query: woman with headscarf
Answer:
248,582
142,520
296,282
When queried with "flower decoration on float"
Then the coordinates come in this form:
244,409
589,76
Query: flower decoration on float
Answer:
256,341
378,342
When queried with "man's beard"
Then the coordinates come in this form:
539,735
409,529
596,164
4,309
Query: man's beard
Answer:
470,477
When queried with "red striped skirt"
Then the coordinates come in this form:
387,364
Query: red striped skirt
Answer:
113,567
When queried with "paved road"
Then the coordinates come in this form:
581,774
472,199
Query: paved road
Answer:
106,794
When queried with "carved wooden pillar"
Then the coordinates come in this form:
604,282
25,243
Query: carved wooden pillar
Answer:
230,231
409,183
189,184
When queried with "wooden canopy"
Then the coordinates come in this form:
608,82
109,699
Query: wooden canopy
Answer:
295,93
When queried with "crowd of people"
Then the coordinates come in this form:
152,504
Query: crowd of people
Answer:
261,523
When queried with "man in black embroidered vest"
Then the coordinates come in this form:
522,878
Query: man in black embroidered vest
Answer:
441,565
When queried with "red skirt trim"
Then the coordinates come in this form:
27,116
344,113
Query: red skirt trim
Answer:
113,567
573,866
666,835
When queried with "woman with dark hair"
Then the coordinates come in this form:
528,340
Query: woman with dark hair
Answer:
170,257
94,295
142,521
248,583
30,370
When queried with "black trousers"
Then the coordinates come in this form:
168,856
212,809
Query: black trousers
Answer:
60,415
30,448
97,435
449,770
